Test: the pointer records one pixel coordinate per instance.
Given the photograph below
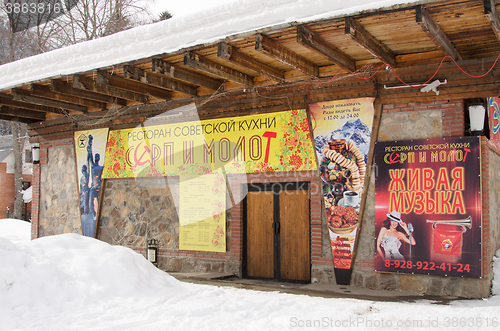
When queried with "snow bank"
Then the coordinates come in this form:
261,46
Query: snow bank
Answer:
495,288
15,230
70,268
70,282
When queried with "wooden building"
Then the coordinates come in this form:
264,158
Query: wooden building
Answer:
185,70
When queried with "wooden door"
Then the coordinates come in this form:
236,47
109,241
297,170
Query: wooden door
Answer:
294,235
260,234
277,232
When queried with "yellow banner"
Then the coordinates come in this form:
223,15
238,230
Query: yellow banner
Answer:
202,212
259,143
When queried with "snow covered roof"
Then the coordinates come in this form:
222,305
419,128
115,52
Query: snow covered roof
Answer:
238,17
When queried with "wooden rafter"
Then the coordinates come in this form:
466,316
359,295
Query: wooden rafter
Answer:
30,114
46,92
165,68
315,43
273,49
435,33
105,78
159,80
8,100
59,86
491,13
368,42
198,62
232,54
25,96
16,118
82,82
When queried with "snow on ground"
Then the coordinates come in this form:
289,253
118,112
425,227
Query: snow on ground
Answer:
71,282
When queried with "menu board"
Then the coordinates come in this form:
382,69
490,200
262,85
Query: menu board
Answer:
202,213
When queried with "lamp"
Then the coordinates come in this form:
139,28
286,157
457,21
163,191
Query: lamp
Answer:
477,113
35,153
152,251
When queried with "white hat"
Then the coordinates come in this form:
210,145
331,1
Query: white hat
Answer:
395,216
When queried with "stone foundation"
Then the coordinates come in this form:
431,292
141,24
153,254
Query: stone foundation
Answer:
59,199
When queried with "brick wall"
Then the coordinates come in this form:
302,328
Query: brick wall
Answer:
7,193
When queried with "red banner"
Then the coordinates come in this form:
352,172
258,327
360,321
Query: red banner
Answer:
494,118
428,207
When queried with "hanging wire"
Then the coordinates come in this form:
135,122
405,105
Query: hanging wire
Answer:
364,73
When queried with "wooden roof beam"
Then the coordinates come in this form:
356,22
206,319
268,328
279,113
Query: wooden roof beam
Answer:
59,86
16,118
8,100
232,54
25,96
18,112
491,13
369,42
435,33
46,92
159,80
85,83
105,78
199,62
315,43
273,49
162,67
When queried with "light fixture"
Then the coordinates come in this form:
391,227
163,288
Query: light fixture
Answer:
425,87
35,153
152,251
477,113
433,86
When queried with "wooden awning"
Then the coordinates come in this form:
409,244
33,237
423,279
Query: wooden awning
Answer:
453,40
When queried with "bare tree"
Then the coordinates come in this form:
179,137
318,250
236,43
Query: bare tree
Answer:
92,19
22,36
19,134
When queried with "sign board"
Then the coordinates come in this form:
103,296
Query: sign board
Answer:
428,207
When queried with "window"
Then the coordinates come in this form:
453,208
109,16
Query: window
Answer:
27,156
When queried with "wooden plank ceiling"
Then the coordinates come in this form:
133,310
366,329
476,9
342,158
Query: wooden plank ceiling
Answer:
403,38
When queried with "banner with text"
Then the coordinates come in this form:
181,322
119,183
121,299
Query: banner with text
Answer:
90,147
202,212
258,143
428,207
342,132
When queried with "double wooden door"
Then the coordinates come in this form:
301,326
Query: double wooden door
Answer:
277,232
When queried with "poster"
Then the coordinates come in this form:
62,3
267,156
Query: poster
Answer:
90,147
342,132
202,216
494,118
428,207
258,143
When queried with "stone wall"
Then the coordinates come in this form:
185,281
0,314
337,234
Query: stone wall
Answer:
136,210
494,192
59,193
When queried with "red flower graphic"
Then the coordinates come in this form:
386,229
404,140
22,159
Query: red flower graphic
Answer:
116,169
295,161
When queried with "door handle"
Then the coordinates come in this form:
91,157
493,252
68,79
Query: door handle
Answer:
276,227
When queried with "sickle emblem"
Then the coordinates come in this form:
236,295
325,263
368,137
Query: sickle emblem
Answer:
138,161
